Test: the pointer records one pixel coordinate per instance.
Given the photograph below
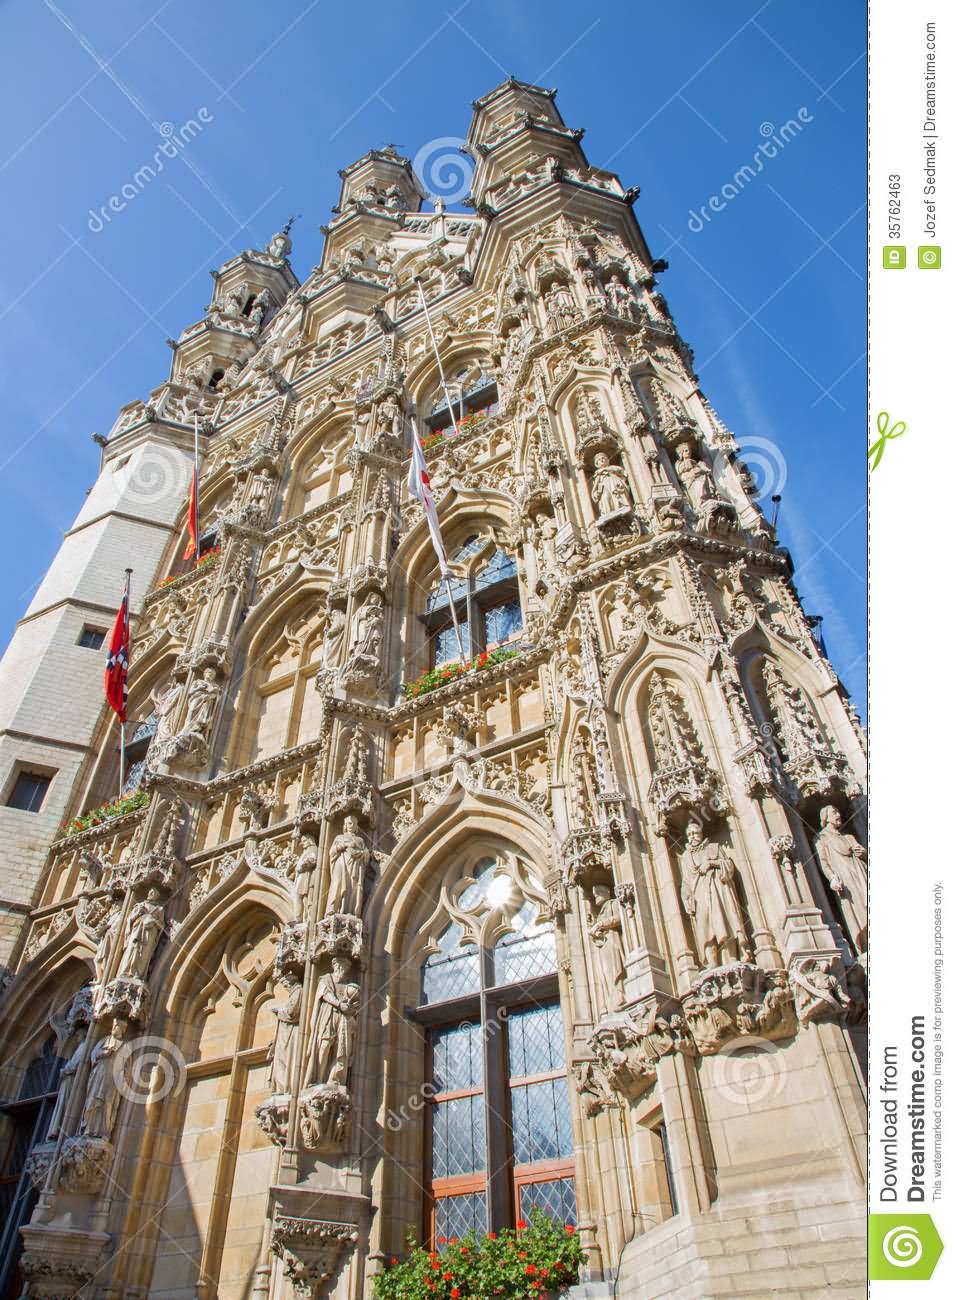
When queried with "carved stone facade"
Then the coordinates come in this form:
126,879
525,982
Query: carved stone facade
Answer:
648,782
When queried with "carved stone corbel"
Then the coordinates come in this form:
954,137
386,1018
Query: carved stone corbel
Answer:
311,1250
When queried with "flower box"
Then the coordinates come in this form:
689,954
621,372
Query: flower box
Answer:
536,1259
106,812
454,671
208,558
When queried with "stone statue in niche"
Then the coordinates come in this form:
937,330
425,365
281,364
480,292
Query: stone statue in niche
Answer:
305,865
259,494
367,626
609,488
102,1095
144,928
620,299
78,1022
101,958
333,1039
844,863
64,1087
201,703
546,531
605,930
348,859
166,705
389,418
333,638
696,478
287,1029
711,901
560,306
260,307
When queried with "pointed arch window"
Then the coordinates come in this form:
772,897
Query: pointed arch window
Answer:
485,593
499,1137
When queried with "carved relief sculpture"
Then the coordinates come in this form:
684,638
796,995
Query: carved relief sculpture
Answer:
348,859
844,864
102,1099
606,934
610,491
710,899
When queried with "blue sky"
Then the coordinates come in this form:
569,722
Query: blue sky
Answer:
676,98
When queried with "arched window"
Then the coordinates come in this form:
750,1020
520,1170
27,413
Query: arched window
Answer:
499,1137
27,1120
474,395
484,588
135,751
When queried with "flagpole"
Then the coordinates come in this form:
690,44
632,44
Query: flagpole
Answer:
129,573
196,476
438,359
455,621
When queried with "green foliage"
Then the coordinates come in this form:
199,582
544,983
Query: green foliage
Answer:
450,672
97,816
534,1259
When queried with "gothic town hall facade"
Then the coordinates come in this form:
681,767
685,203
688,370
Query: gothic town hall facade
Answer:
389,932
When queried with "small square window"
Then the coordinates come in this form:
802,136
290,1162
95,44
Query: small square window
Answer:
29,791
91,638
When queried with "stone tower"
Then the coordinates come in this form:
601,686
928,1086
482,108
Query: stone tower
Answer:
399,933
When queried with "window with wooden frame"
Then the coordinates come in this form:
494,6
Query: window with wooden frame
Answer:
484,591
498,1132
474,395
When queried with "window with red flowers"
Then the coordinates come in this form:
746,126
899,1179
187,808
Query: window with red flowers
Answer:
498,1131
484,592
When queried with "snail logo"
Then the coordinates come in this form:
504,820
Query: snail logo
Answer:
157,474
149,1069
747,1071
444,169
763,463
902,1247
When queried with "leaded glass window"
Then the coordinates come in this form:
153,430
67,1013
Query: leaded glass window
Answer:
498,1071
556,1196
453,971
528,951
486,599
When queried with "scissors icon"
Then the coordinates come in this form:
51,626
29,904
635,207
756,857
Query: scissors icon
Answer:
886,431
